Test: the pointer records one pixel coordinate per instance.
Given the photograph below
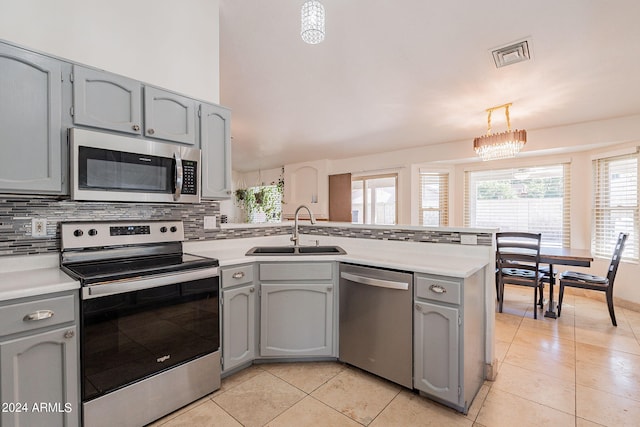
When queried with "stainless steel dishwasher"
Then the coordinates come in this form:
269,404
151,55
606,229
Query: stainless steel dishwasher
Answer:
376,327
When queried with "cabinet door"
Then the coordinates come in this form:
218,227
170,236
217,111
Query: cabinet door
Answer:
106,101
296,320
41,369
306,184
238,326
436,351
30,122
169,116
215,142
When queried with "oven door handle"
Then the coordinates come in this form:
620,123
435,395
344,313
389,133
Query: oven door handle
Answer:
179,177
129,285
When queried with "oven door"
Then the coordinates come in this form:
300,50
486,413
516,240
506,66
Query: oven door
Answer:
109,167
127,337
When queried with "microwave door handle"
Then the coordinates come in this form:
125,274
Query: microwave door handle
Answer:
179,177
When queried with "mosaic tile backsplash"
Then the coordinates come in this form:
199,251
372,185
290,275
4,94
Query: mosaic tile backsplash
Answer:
16,214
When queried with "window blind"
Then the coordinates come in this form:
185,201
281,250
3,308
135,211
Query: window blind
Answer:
434,199
532,199
615,205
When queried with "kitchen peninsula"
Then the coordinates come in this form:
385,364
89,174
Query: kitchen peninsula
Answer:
434,256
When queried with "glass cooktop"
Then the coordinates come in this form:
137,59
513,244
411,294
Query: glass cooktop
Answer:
94,272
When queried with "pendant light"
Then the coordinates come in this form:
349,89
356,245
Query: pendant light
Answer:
499,145
312,27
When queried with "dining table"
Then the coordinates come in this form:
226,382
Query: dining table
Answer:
562,256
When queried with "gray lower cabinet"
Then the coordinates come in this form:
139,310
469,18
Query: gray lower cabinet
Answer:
436,347
449,338
30,122
215,142
238,316
107,101
297,316
39,363
169,116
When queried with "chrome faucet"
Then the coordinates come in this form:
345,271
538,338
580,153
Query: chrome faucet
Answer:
296,237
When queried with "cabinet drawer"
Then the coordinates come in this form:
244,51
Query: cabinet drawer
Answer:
233,276
437,289
296,271
46,312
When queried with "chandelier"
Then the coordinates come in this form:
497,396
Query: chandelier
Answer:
312,29
499,145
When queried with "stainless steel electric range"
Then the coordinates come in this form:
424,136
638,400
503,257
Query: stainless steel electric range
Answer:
149,335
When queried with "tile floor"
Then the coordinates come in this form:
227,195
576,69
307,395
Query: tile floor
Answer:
577,370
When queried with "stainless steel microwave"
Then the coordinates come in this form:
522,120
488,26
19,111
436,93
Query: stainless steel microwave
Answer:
109,167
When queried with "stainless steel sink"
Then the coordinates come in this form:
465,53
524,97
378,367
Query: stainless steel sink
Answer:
296,250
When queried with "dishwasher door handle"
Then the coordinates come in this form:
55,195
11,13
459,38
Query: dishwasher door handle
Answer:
403,286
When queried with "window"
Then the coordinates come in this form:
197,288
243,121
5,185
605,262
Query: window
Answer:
261,204
533,199
434,199
615,205
373,199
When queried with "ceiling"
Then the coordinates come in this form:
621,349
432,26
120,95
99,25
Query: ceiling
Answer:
389,77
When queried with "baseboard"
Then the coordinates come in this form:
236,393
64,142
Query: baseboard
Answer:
600,296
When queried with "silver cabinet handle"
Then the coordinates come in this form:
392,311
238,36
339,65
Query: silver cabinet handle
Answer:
135,127
437,289
179,175
418,307
151,131
69,334
38,315
238,275
252,289
329,288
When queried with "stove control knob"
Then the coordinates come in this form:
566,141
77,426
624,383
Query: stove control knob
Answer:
174,229
78,233
163,229
93,232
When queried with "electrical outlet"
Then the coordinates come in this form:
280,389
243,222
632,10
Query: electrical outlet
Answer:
209,222
38,227
469,239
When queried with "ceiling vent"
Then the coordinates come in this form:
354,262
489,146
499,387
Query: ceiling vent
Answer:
511,54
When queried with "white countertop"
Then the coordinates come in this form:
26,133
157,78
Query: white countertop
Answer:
32,275
443,259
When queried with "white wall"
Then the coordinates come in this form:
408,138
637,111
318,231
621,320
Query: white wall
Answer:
172,44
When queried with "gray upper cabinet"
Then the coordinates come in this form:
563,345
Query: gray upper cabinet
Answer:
30,122
215,141
107,101
169,117
41,97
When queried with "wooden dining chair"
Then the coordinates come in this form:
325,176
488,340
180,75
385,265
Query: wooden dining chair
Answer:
596,283
518,262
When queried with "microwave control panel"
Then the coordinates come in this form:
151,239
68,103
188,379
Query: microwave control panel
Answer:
189,177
